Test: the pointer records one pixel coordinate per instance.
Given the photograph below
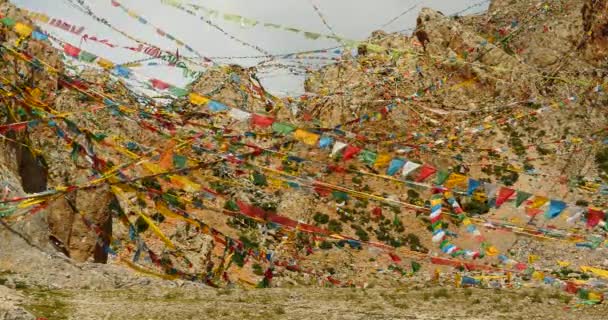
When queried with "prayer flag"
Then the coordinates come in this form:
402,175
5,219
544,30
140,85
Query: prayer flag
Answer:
197,99
307,137
503,195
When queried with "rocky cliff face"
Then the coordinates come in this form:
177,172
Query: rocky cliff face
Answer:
544,63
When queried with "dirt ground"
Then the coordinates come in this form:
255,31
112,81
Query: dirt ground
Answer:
306,303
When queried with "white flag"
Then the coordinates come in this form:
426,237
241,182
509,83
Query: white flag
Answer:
337,147
239,114
409,167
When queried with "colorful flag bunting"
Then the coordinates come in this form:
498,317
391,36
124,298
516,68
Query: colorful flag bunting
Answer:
23,29
503,195
197,99
442,176
409,167
307,137
338,146
70,50
350,152
215,106
395,165
490,189
594,216
555,208
282,128
425,172
261,121
159,84
521,197
456,180
538,202
382,160
473,185
239,114
368,157
325,142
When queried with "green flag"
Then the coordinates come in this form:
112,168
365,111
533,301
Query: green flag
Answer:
369,157
9,22
178,92
521,197
442,175
415,266
179,161
282,128
86,56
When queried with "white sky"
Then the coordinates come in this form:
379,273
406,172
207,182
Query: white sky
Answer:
353,19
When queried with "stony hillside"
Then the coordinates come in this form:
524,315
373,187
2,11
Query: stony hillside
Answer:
229,186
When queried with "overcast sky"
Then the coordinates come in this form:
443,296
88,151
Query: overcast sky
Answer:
352,19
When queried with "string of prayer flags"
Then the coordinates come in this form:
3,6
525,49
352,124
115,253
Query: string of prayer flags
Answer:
239,114
261,121
538,202
521,197
441,177
394,166
23,29
594,216
368,157
555,208
159,84
456,180
282,128
425,172
215,106
325,142
338,146
473,185
306,137
382,160
503,195
409,167
197,99
70,50
350,152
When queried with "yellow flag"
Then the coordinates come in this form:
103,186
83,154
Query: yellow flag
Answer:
537,275
382,160
491,251
538,202
307,137
23,29
152,167
456,180
185,183
595,296
599,272
104,63
170,214
532,258
197,99
563,264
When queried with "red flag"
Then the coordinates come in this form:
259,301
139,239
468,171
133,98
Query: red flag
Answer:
284,221
425,172
261,121
594,217
394,257
158,84
251,211
350,151
503,195
70,50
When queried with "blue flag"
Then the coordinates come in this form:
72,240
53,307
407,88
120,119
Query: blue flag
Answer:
555,208
395,165
473,184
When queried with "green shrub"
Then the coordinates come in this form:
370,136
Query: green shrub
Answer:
320,218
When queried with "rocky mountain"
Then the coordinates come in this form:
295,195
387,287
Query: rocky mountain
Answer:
230,186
